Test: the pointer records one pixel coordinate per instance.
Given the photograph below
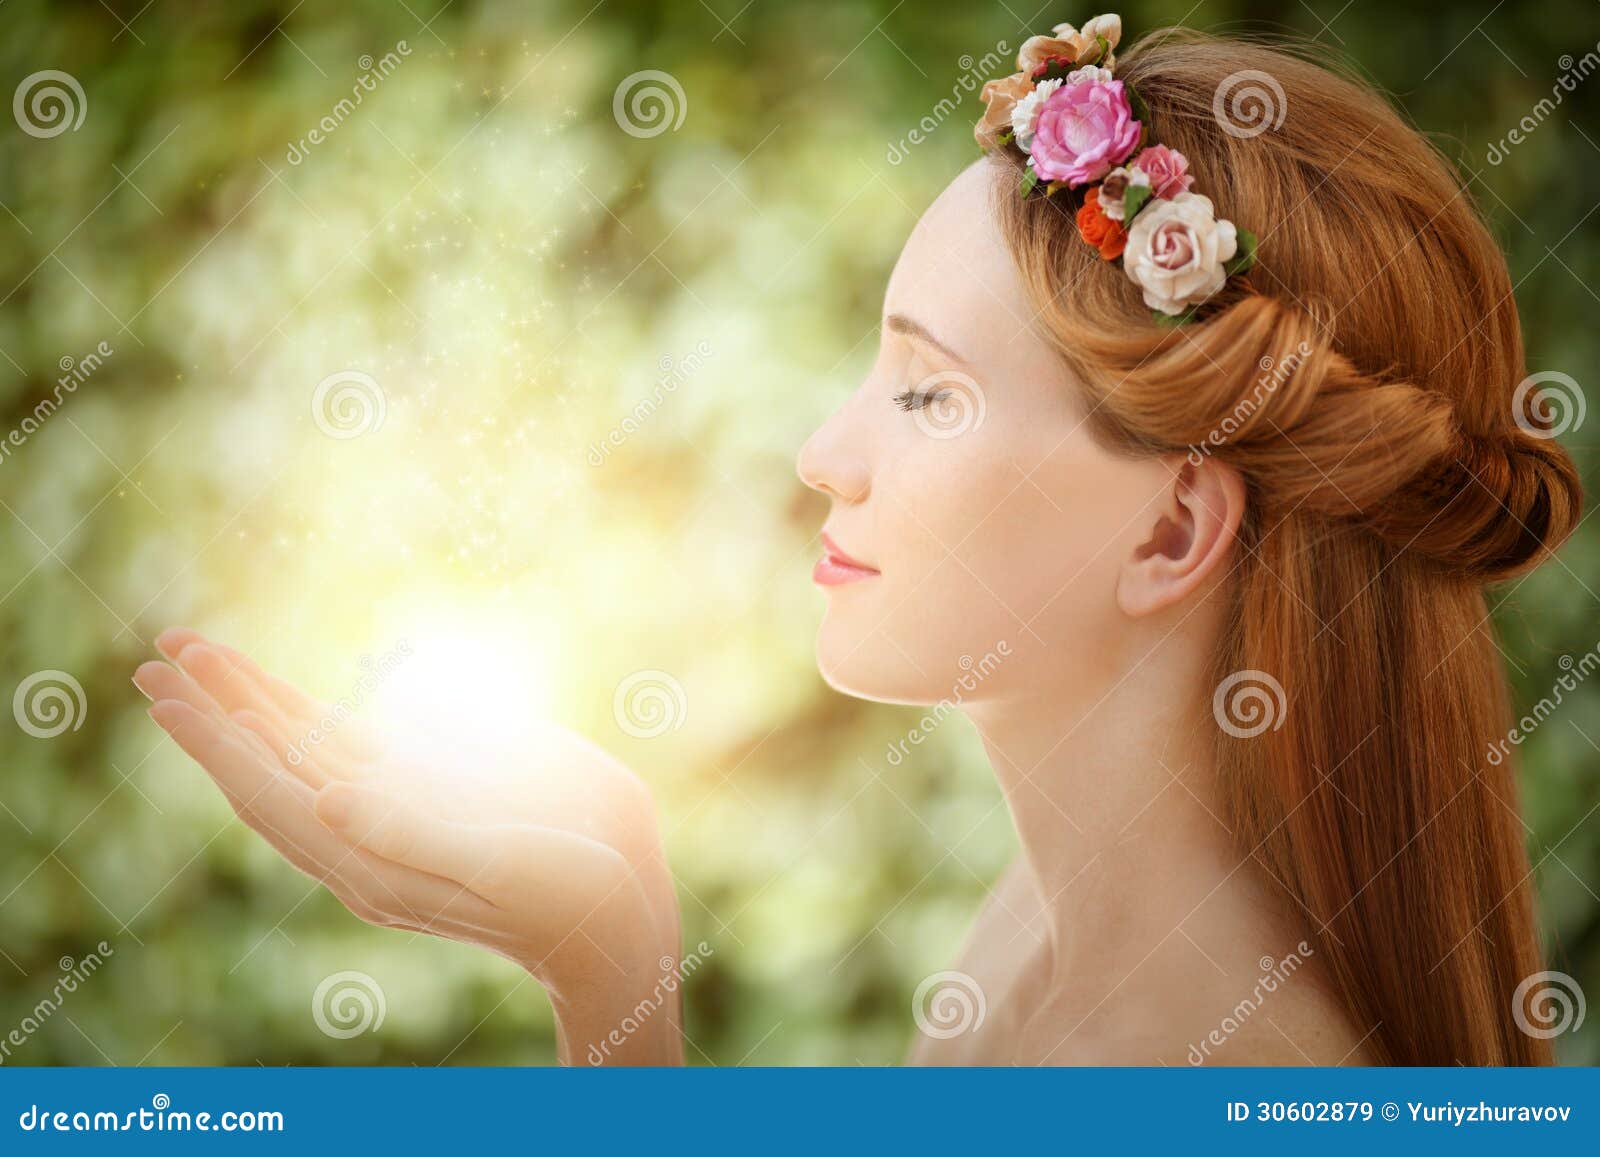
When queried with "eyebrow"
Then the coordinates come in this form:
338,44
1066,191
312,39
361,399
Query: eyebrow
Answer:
911,328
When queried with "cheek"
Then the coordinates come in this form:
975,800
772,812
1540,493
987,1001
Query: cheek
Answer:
903,636
1044,552
979,552
1037,527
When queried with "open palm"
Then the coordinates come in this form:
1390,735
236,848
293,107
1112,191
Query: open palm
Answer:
549,857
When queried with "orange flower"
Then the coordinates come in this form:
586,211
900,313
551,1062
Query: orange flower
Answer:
1101,231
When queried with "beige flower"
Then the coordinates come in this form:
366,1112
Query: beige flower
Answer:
1176,250
999,98
1069,42
1038,49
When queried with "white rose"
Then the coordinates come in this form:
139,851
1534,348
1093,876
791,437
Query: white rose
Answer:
1088,73
1176,250
1026,111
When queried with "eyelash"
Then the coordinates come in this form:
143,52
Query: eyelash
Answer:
909,400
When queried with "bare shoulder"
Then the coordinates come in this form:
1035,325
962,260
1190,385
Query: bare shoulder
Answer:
998,966
1233,1015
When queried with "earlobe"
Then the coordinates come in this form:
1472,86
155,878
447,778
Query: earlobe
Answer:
1189,537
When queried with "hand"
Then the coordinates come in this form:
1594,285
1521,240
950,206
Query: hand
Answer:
551,859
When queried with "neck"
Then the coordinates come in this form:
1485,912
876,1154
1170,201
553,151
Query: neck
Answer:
1116,803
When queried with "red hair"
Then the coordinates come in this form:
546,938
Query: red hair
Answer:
1388,480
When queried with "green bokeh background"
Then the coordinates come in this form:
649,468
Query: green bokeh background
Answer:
517,273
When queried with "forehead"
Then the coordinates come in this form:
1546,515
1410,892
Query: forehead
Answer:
955,274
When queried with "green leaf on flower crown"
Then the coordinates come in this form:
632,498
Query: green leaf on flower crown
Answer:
1029,180
1132,201
1105,51
1054,187
1244,258
1173,320
1141,111
1005,138
1056,68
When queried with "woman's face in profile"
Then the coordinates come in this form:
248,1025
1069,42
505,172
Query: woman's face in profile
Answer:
965,483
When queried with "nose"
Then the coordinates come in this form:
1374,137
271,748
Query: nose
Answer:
829,465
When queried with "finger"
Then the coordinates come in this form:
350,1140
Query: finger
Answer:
225,680
351,737
290,737
271,803
280,809
398,831
250,681
237,695
160,680
173,640
296,752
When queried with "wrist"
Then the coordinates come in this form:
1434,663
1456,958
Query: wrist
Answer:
614,980
624,1010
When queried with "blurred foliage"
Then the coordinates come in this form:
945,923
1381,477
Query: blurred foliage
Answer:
517,275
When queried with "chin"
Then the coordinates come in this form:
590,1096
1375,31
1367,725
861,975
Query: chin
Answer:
862,662
944,641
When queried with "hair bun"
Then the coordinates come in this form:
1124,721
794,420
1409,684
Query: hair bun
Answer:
1494,507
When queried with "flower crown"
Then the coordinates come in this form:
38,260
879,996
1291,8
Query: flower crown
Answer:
1080,127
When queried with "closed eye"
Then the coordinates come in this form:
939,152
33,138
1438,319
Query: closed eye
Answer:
909,400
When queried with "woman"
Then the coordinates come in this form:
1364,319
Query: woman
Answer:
1228,531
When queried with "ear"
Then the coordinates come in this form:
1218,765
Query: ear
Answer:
1195,525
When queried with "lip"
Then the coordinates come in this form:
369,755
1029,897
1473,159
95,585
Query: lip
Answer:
835,567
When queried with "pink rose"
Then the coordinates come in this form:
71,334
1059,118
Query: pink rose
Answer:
1083,131
1167,169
